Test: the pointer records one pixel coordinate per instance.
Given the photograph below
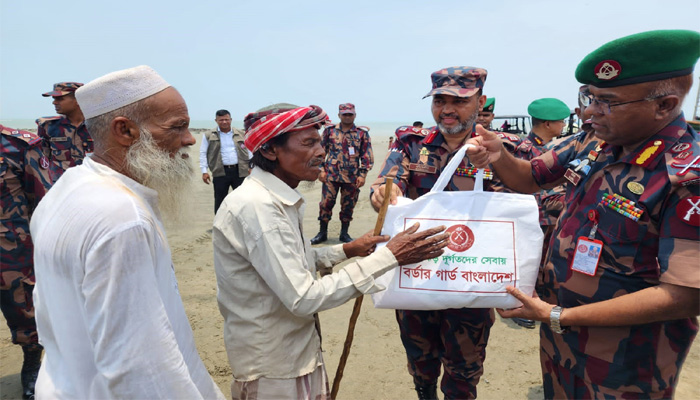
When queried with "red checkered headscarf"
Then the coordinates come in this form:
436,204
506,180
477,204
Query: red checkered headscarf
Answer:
264,125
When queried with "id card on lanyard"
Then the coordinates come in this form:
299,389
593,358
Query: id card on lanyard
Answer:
588,250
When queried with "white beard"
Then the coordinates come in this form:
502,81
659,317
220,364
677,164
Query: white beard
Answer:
171,177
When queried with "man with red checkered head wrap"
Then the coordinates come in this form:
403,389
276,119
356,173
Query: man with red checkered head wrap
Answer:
268,290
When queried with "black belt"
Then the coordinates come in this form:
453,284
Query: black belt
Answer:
231,166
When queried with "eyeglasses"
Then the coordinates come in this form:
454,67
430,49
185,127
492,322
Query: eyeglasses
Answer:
586,99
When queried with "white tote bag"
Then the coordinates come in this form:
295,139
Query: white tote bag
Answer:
495,241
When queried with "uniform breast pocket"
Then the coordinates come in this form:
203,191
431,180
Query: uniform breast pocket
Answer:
61,150
623,238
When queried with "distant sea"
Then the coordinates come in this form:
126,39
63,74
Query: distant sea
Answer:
377,129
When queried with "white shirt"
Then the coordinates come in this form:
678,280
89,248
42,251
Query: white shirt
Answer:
268,290
108,310
229,156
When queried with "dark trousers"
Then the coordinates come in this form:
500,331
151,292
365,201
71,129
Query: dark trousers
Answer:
222,183
18,310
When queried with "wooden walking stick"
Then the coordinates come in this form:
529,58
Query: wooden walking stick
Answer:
358,301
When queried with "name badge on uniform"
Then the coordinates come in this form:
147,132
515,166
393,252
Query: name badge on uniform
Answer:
59,139
425,168
587,256
351,151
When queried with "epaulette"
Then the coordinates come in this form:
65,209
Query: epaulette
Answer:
364,128
43,120
403,131
506,136
25,136
684,164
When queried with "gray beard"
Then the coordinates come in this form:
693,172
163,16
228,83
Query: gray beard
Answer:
154,168
462,127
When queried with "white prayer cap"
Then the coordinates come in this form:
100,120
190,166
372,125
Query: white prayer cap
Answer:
118,89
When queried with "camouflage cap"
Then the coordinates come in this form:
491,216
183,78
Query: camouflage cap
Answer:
490,104
63,88
642,57
346,108
457,81
548,109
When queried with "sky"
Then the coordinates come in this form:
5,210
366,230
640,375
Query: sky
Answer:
244,55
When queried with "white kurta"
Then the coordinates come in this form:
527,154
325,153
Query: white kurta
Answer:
108,309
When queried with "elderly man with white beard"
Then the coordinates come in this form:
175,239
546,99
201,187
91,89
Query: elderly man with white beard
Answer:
108,309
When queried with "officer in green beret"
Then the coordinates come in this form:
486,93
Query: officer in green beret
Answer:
486,114
548,116
619,293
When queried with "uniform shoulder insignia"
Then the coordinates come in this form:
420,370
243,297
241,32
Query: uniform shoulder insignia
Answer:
683,163
364,128
404,131
512,138
43,120
25,136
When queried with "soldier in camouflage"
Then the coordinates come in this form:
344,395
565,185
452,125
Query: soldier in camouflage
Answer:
24,179
456,338
348,159
66,140
621,291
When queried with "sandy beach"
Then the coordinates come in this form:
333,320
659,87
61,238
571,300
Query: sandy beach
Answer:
376,368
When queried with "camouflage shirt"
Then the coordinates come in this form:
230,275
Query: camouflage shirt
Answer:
24,180
418,155
63,144
662,246
348,154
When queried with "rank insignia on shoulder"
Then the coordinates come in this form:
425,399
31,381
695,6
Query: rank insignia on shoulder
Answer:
680,147
364,128
646,156
682,155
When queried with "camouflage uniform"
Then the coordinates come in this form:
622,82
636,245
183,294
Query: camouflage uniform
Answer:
342,168
24,181
64,144
455,337
662,246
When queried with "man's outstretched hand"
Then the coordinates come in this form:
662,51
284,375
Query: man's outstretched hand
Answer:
488,148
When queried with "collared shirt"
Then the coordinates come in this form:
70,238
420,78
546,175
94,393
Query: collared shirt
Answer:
661,246
268,291
24,180
348,153
64,144
108,309
228,150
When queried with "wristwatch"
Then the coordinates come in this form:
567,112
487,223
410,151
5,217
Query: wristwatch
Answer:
554,316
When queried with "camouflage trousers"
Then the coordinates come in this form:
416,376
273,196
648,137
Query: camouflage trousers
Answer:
18,308
560,382
349,194
453,338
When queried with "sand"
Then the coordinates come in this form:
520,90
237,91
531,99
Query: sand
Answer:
376,368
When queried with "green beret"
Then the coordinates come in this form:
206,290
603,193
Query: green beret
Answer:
490,104
548,109
643,57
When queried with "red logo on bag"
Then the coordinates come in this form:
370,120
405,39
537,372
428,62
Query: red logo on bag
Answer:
461,238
